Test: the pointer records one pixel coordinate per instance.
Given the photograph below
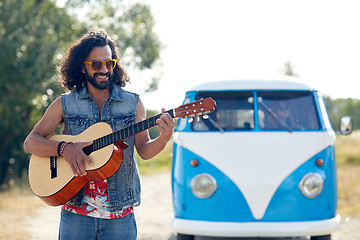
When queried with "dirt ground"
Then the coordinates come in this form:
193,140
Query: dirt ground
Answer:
153,216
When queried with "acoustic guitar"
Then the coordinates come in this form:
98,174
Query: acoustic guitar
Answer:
51,178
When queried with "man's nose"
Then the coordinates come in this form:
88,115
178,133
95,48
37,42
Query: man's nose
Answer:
103,68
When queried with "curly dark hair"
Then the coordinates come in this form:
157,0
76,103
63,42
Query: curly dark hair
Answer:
70,67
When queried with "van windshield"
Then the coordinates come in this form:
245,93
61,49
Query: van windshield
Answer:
234,111
276,110
287,110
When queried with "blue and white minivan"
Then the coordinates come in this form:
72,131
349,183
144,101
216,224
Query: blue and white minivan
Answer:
261,165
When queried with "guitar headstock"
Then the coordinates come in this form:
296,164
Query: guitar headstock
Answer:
200,107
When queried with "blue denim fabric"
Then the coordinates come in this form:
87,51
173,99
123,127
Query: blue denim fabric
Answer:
80,112
78,227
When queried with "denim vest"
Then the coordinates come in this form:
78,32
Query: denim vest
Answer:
80,112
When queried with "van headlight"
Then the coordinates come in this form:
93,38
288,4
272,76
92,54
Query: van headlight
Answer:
311,185
203,185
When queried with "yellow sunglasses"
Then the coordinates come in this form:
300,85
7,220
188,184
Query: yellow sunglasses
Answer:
97,65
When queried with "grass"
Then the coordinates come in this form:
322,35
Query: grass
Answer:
347,149
348,164
349,190
16,206
160,163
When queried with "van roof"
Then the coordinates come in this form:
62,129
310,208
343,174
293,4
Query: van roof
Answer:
248,84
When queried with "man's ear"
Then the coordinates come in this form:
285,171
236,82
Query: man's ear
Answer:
83,68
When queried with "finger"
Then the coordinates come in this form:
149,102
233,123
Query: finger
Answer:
78,165
84,144
168,119
81,167
88,144
164,129
72,155
82,154
88,159
76,169
165,115
161,123
167,122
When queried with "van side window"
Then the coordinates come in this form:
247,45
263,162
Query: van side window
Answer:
287,110
234,111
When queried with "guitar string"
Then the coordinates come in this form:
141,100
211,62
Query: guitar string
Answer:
126,132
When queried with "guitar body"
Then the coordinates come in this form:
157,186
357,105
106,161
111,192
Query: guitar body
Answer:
58,190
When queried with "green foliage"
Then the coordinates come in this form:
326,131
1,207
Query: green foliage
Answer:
154,132
131,27
343,107
34,35
161,162
289,69
31,36
347,149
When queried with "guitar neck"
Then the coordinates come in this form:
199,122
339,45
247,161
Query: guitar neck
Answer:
200,107
127,131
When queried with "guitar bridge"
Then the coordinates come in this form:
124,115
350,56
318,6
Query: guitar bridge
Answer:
53,167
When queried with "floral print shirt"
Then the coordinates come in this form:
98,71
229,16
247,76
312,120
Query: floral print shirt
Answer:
96,202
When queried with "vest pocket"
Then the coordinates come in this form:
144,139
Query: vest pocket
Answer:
77,125
122,122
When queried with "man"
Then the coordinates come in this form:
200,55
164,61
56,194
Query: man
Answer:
94,77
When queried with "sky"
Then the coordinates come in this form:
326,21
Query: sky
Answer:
211,40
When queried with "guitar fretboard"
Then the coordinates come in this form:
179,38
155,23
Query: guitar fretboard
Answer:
126,132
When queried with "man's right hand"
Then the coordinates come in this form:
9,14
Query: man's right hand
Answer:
75,157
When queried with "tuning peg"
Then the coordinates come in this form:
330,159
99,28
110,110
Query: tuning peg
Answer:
205,116
198,118
190,120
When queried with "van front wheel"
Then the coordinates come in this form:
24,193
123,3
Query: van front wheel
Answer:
185,237
324,237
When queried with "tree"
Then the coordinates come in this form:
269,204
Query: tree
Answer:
343,107
33,37
31,34
131,27
289,69
352,108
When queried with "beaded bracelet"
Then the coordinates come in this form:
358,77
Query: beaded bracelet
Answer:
59,146
63,147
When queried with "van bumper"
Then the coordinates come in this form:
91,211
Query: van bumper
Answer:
256,229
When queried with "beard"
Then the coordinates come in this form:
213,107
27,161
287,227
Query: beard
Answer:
103,84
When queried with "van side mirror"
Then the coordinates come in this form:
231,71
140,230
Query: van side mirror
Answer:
345,125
